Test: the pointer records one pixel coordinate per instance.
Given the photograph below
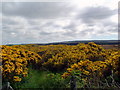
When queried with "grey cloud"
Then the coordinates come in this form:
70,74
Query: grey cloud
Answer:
113,29
45,33
91,14
74,36
110,27
70,34
71,26
32,23
74,33
37,9
9,21
50,23
86,31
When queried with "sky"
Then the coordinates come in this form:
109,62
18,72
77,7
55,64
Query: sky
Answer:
45,22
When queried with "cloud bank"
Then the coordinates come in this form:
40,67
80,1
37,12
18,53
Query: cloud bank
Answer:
44,22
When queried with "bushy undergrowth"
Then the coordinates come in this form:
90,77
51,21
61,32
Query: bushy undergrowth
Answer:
52,66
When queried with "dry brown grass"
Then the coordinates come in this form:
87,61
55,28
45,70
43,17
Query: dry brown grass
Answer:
110,46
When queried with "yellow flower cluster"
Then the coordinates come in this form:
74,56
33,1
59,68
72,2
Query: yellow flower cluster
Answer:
100,68
16,79
15,62
62,56
88,58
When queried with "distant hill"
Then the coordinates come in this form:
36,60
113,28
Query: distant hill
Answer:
100,42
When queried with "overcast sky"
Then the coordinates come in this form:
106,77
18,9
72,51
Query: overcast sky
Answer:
44,22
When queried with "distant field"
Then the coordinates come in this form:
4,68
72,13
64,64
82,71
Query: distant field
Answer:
110,46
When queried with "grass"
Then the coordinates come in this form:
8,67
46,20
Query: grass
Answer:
41,79
35,79
44,80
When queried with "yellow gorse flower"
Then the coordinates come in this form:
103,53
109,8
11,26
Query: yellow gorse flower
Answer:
15,61
16,79
88,58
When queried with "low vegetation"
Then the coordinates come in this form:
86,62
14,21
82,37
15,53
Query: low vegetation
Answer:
53,66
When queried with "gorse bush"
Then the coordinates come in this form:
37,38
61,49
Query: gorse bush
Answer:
15,62
90,59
